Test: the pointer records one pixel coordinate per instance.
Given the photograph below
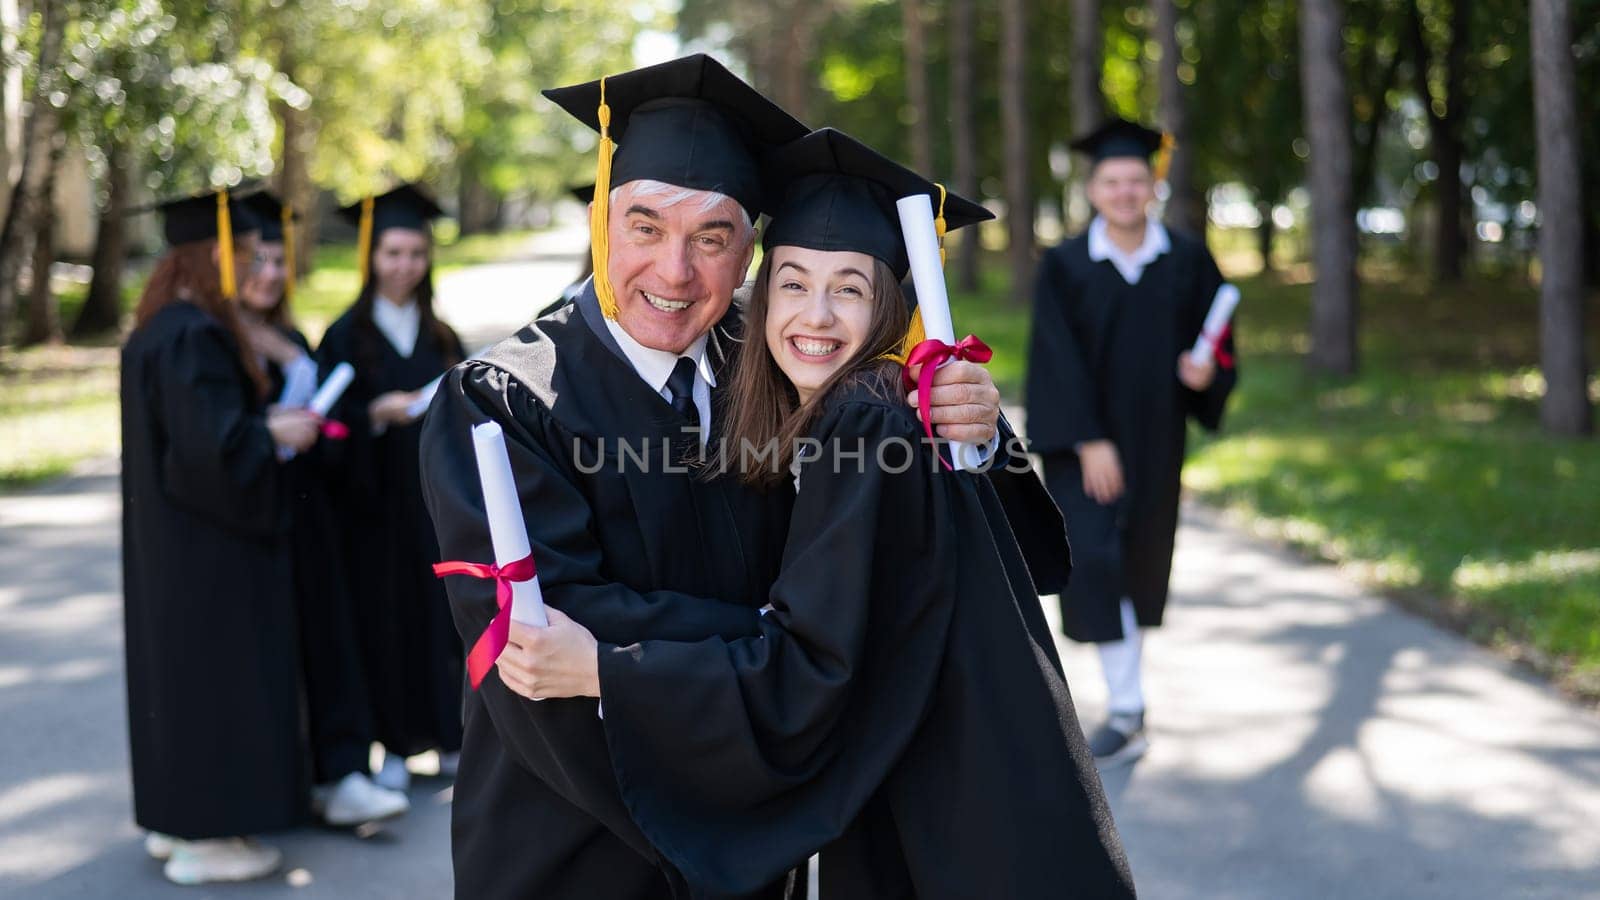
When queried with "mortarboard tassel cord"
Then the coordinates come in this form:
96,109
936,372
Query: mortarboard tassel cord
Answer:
225,245
364,239
600,248
288,254
1164,155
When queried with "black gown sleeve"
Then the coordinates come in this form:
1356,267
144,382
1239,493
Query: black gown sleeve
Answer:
1207,406
219,460
1062,411
1032,514
556,740
739,759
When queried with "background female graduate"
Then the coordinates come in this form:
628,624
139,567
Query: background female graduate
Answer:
390,335
213,693
1110,389
903,708
337,711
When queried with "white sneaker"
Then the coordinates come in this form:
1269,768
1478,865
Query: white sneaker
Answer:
222,859
355,800
159,845
449,764
392,774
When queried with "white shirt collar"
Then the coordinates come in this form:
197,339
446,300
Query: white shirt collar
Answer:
1130,265
399,324
654,366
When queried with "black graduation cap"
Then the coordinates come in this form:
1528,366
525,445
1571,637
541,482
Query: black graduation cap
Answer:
583,193
689,122
833,192
270,213
1120,138
198,217
403,207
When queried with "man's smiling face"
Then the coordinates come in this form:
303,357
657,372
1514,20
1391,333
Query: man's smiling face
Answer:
676,258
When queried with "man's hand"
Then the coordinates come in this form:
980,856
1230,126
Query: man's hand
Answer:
558,660
1102,471
963,401
1196,377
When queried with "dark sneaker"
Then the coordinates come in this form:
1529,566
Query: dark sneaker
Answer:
1120,741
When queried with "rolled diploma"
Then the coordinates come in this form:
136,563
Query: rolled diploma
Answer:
507,531
1222,306
299,383
424,397
333,388
927,274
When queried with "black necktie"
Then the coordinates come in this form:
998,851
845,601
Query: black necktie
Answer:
680,384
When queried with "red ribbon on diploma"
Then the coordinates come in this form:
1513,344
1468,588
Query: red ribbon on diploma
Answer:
931,354
493,640
1224,358
335,430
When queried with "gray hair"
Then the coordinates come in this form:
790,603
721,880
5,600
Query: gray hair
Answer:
667,195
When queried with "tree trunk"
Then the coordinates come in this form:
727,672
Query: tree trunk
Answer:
1327,112
1444,117
1565,407
29,202
1265,233
43,324
963,135
1014,122
293,178
916,56
1088,102
1366,140
478,207
1186,205
102,309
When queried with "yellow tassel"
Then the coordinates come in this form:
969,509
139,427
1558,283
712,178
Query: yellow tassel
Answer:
225,245
1164,155
938,223
364,240
288,254
599,233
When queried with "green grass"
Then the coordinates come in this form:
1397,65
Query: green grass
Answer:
58,405
1427,474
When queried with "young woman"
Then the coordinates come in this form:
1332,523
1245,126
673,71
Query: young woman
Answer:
904,709
213,693
338,716
397,346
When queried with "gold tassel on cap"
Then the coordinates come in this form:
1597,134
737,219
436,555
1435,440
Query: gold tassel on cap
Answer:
288,254
225,245
1164,155
364,239
599,207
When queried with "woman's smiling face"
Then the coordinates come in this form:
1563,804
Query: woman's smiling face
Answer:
819,311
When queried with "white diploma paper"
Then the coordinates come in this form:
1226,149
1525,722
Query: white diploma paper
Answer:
1222,306
299,383
927,274
333,388
507,531
424,397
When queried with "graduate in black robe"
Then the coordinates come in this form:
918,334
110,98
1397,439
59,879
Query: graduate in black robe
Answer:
397,346
1104,379
213,693
903,707
338,714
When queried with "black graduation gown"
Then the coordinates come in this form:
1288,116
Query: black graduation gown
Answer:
409,649
213,694
1103,365
903,707
338,718
627,551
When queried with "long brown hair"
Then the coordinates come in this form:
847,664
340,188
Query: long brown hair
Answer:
761,405
189,272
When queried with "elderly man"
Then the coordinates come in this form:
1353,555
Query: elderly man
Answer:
602,402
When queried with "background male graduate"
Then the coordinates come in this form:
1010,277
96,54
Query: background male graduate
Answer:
631,547
1110,389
